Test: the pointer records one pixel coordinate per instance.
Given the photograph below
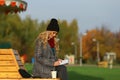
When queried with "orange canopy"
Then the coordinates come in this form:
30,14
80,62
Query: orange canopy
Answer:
12,6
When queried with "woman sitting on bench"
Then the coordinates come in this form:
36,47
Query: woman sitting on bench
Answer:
45,55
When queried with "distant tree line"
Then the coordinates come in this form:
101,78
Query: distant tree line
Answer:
108,42
21,35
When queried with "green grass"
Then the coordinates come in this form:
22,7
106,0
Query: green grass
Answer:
93,73
88,73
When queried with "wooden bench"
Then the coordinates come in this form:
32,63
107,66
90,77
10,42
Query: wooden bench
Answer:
28,79
10,62
103,64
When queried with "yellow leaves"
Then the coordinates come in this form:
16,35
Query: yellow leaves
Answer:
106,41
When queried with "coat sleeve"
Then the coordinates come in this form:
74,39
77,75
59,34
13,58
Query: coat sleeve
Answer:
41,56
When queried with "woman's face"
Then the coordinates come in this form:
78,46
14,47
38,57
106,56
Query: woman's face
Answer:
52,34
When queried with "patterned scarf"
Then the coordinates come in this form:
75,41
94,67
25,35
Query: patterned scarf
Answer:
52,44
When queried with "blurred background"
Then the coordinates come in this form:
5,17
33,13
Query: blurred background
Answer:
89,30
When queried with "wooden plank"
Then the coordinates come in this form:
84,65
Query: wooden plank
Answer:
17,57
6,57
19,62
30,79
14,58
8,69
10,75
4,51
7,63
40,79
15,51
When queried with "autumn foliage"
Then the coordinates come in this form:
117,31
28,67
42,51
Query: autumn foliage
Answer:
108,42
21,34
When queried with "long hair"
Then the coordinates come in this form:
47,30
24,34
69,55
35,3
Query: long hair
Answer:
43,38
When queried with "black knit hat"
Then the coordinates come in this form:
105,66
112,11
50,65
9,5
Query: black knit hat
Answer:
53,25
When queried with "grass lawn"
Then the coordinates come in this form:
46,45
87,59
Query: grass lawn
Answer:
88,73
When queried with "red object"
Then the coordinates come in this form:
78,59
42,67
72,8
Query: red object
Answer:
2,2
24,57
21,6
51,42
12,6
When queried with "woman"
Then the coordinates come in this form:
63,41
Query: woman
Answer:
45,55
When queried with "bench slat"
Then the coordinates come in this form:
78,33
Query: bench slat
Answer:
6,57
9,75
30,79
6,68
7,63
4,51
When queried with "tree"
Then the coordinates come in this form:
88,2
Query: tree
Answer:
105,39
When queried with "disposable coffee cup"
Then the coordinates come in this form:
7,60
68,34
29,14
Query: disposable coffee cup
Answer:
54,74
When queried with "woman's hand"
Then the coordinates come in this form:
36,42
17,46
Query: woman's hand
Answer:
57,63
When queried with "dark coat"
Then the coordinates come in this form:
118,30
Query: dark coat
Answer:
44,60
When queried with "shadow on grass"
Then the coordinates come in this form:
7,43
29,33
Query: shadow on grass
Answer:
75,76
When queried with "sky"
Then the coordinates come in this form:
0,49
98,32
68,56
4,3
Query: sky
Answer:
89,13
